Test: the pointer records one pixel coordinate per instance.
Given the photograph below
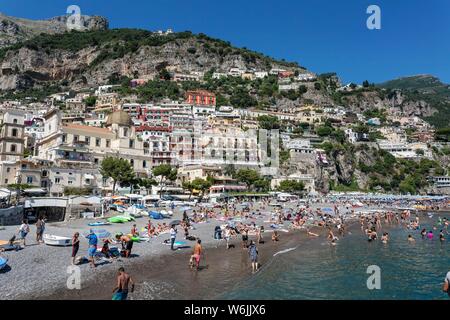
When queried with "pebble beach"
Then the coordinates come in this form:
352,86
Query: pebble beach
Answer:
39,271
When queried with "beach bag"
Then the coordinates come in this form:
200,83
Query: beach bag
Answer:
80,260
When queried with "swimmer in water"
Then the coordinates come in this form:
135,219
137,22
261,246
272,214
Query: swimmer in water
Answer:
441,236
430,234
410,238
423,233
373,235
385,237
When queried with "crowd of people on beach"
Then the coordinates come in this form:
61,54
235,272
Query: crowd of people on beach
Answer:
248,221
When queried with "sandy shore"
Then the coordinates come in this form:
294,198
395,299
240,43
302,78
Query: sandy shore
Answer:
41,272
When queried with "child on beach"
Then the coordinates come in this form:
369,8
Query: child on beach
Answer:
275,236
40,227
24,230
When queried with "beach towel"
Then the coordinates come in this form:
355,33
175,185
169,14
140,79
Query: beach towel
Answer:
177,243
98,223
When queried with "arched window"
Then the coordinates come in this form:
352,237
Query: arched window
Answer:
13,148
14,132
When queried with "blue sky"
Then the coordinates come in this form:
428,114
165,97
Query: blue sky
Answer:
322,35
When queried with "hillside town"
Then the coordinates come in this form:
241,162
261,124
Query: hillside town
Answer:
148,165
55,148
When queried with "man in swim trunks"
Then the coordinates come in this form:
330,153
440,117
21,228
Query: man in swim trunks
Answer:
93,240
127,244
123,281
198,250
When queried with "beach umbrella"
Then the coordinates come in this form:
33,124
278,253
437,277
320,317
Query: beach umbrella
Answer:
100,233
175,222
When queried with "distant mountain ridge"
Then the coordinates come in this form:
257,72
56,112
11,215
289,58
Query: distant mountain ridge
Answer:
424,83
14,30
429,89
43,57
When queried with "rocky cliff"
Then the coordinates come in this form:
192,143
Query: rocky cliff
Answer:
14,30
42,53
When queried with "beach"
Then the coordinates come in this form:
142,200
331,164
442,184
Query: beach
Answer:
41,271
38,271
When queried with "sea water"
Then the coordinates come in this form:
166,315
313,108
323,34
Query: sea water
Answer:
321,271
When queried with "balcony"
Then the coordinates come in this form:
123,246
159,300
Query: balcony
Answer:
74,154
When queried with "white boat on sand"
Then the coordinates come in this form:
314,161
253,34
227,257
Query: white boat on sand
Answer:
52,240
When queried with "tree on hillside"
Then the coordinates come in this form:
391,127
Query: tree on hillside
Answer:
262,185
164,74
248,176
291,186
187,185
229,170
138,183
268,122
166,173
74,191
201,185
90,101
241,99
119,170
324,131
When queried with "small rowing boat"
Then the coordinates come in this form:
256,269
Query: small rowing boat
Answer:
52,240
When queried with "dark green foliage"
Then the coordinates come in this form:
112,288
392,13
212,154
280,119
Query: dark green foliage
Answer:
291,186
268,122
